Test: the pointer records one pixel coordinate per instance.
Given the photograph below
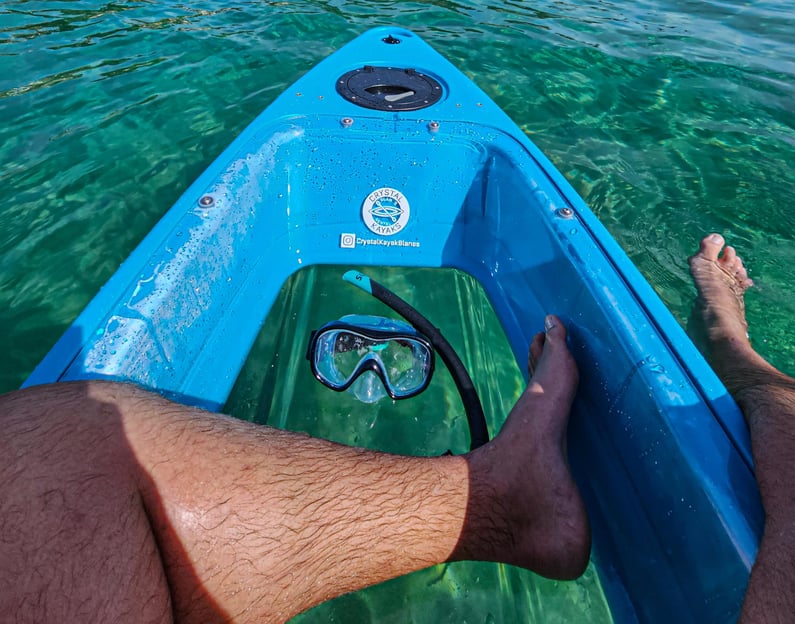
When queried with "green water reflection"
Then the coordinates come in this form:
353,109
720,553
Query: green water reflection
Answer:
276,387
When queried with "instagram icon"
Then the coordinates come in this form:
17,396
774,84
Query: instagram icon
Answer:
347,241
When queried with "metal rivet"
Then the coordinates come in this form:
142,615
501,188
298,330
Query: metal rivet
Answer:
206,201
346,122
433,126
566,213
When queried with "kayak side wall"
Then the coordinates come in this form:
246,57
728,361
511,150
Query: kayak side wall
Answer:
639,426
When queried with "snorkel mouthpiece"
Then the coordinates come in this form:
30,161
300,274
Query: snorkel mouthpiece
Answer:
360,280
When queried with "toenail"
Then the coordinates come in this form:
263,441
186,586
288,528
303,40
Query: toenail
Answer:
549,323
715,238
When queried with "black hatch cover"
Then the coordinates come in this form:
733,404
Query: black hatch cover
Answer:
389,88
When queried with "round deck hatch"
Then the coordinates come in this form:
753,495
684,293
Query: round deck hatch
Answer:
389,88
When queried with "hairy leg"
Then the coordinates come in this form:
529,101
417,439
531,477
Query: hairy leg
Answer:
211,518
767,399
76,544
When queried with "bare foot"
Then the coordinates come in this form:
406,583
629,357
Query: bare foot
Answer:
721,281
767,399
526,466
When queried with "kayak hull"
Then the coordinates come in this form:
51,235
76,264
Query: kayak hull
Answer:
658,448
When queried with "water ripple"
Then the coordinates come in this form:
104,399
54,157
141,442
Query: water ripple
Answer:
670,118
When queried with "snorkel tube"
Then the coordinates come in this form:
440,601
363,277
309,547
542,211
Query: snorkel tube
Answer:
478,431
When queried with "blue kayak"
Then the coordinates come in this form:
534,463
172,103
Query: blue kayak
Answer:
386,155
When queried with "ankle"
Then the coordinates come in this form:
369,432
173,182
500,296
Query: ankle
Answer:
526,513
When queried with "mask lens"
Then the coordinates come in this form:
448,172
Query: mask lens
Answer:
337,354
342,355
407,364
349,349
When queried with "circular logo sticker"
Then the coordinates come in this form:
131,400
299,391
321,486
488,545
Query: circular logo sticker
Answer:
386,211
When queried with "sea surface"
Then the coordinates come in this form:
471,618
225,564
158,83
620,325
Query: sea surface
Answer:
672,118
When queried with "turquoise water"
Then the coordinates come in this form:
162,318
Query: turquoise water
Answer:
670,118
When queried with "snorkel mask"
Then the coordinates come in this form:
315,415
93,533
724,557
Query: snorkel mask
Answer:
373,356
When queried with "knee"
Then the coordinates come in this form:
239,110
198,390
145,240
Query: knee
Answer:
63,428
61,410
61,395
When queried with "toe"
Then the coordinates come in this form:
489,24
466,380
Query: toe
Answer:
555,330
710,246
729,257
536,349
742,277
